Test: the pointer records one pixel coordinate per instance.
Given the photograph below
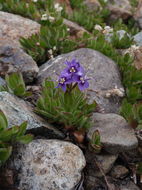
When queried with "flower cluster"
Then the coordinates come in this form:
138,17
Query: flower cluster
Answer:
58,7
105,30
45,17
72,76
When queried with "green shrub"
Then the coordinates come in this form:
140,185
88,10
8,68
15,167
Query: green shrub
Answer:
69,109
15,85
8,136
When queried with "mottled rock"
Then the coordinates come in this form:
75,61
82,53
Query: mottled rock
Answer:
138,39
18,111
119,171
119,9
128,185
48,165
14,26
116,135
94,183
2,82
95,162
13,59
74,27
103,72
92,5
138,14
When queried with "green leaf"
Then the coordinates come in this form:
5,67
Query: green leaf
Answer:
25,139
3,121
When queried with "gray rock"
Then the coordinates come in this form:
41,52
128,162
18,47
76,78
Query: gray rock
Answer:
138,14
18,111
92,5
14,59
128,186
2,82
14,26
95,162
74,27
119,171
48,165
116,135
138,39
103,72
119,9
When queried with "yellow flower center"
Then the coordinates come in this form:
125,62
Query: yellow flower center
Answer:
62,80
72,70
82,79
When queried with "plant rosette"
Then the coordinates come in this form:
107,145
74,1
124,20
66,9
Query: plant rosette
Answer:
66,103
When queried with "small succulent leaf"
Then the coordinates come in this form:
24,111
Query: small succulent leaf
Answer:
3,121
5,154
25,139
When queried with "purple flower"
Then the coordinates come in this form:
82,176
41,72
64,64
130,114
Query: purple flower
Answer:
73,68
73,74
63,80
82,82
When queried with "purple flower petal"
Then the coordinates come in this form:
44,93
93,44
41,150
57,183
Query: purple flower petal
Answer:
83,86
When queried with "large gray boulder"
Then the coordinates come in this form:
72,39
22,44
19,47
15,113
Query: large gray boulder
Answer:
18,111
48,165
103,72
14,26
116,135
12,57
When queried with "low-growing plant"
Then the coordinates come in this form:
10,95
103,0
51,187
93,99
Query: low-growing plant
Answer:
95,143
132,113
65,103
15,84
51,41
80,11
8,136
121,42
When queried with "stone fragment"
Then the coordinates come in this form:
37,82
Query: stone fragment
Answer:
119,9
18,111
14,59
92,5
116,135
138,39
98,163
48,165
128,185
74,27
119,171
102,71
138,14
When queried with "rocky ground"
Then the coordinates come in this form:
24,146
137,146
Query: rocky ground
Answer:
53,160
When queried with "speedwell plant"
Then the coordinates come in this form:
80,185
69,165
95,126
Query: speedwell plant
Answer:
65,103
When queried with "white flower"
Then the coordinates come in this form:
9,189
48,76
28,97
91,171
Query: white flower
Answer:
51,18
107,29
98,27
54,48
68,29
34,1
58,7
50,52
44,17
38,44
